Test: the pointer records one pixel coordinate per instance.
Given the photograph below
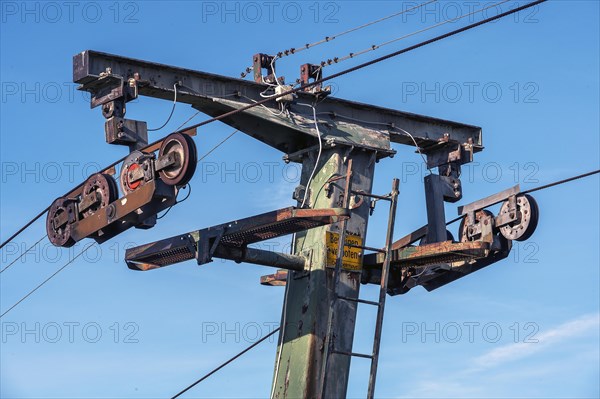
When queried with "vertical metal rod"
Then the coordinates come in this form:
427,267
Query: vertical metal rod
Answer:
383,288
336,278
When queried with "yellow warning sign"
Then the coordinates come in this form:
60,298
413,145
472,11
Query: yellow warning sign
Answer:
351,258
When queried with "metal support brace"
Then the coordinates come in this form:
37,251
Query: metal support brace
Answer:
439,189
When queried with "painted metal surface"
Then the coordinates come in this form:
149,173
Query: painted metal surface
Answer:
230,240
343,121
299,359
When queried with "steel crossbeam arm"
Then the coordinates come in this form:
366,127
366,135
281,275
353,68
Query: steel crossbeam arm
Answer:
341,121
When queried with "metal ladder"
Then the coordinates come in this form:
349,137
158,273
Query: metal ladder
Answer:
392,197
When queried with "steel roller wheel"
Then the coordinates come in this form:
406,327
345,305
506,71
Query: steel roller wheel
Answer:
463,229
184,149
130,165
522,228
60,235
105,188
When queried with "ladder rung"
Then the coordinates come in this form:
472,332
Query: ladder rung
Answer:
366,248
359,300
353,354
381,197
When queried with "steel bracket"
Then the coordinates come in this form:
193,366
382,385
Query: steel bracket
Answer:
446,152
471,209
167,160
107,87
262,61
208,240
129,132
313,72
439,189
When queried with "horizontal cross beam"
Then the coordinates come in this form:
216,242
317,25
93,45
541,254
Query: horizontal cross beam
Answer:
340,121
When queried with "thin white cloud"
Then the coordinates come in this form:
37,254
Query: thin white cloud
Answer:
480,380
510,352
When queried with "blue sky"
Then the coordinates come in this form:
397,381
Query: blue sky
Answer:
530,81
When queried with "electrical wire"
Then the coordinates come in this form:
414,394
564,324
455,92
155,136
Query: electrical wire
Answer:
417,146
188,119
312,174
265,107
374,47
227,362
172,110
23,254
218,145
326,39
189,186
312,84
48,279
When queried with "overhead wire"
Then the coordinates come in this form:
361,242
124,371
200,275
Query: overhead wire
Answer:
218,145
337,60
556,183
226,363
48,279
188,119
326,39
314,83
24,253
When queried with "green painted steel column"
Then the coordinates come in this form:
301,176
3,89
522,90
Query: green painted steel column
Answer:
300,355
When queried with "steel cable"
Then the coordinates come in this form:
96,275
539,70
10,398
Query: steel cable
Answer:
226,363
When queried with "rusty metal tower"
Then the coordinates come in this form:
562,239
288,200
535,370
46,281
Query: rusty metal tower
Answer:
338,143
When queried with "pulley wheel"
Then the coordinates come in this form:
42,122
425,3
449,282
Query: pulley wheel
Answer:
60,235
131,164
105,188
184,149
522,228
463,230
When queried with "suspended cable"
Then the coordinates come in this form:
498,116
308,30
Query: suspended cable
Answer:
218,145
364,65
556,183
26,225
48,279
374,47
23,254
326,39
226,363
188,119
312,84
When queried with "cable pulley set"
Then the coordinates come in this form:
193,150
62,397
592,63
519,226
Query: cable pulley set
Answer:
149,183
